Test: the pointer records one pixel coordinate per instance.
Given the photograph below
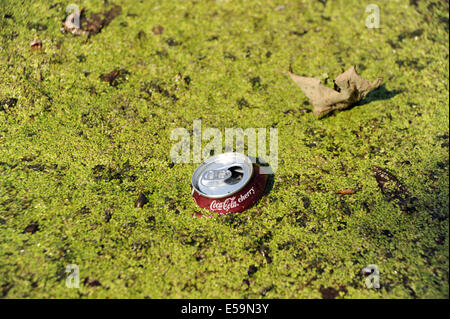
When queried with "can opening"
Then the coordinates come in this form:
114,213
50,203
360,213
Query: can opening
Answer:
237,173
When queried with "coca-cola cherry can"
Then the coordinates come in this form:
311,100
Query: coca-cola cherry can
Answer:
228,183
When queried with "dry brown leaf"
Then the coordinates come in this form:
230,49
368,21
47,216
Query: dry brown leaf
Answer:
36,44
351,88
393,189
98,21
347,191
92,25
114,77
157,30
141,201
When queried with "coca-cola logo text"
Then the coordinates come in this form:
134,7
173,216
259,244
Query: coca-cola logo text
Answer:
231,202
243,197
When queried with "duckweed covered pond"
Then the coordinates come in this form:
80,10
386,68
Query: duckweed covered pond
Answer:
86,176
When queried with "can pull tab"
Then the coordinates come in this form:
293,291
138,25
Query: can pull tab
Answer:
223,176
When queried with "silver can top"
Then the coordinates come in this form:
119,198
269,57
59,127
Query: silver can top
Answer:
222,175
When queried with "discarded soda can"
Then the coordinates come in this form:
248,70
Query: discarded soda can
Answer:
228,183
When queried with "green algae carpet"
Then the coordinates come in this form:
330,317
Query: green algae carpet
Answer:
85,126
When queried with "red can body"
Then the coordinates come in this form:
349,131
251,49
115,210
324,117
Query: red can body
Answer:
239,201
